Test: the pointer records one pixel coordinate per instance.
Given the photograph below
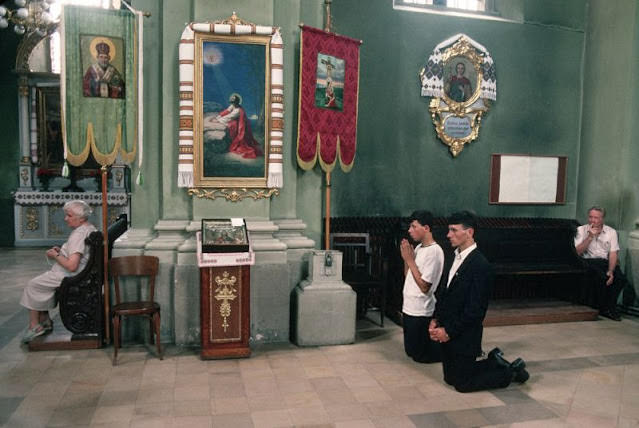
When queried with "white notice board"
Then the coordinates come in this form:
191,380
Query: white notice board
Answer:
525,179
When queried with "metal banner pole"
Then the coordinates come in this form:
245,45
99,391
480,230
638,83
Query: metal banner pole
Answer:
327,225
105,255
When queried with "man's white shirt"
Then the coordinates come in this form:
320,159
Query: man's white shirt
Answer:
600,246
459,259
430,262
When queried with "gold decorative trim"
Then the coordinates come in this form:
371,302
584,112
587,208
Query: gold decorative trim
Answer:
440,112
196,122
25,175
32,219
472,109
26,46
234,20
234,195
54,230
465,49
225,292
112,214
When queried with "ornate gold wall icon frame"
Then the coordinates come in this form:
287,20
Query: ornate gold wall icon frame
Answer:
231,110
460,76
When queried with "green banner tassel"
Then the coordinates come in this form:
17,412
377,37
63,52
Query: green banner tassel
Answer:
139,180
65,170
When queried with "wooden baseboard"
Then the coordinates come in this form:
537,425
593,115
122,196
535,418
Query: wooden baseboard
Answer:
63,341
536,311
216,354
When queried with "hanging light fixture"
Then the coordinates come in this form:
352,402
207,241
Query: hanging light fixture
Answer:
28,16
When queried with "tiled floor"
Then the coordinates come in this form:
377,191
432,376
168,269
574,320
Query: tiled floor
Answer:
582,374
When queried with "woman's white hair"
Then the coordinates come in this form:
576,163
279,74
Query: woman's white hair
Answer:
79,208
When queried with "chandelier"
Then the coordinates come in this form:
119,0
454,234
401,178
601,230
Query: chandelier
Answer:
28,16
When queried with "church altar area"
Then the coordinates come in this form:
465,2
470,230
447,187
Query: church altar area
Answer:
39,217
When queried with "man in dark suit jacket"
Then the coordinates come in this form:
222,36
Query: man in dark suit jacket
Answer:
459,314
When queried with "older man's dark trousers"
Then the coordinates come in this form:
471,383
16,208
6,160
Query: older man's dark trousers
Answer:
467,375
607,295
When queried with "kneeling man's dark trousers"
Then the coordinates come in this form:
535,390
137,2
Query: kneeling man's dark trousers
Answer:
468,375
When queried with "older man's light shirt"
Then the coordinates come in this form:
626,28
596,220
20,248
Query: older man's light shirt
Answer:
600,246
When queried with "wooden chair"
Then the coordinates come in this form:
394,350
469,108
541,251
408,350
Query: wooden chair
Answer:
140,266
367,277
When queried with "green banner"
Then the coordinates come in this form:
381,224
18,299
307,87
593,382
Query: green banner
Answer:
99,84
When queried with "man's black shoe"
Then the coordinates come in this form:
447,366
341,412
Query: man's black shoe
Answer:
494,352
521,376
610,314
497,356
518,364
518,369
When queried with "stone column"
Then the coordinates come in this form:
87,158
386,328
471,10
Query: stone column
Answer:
171,234
632,265
298,248
25,171
187,290
270,292
324,306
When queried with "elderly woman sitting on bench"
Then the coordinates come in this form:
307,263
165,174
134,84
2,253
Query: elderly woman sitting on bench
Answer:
39,294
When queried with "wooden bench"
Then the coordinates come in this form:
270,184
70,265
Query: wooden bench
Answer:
534,260
80,298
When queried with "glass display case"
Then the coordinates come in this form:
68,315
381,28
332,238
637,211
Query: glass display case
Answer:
224,236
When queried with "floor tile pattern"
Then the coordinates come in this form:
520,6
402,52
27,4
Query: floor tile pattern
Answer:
582,374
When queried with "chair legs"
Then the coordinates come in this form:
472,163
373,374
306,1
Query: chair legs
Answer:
154,323
116,338
158,342
382,306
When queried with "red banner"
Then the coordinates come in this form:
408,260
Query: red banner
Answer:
327,117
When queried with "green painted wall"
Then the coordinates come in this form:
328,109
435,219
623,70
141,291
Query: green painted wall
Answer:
565,13
9,143
401,164
146,198
163,30
608,173
565,87
630,217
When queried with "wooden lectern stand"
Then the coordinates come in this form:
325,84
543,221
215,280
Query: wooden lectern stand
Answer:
225,308
225,311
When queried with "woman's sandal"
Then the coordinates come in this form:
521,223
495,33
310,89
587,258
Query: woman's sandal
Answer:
32,333
47,325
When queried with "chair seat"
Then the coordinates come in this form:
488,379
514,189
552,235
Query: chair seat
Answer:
135,308
361,279
366,279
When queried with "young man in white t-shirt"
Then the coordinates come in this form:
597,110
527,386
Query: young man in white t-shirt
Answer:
423,269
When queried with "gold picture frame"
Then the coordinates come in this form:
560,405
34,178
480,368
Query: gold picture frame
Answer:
457,114
50,145
231,117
